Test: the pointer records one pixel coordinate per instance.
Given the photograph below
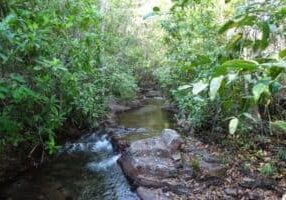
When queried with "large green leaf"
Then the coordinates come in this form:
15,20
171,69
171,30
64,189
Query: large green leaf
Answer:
280,124
234,42
259,89
228,25
232,126
199,87
274,68
184,87
249,116
237,65
282,54
275,64
247,20
248,65
214,86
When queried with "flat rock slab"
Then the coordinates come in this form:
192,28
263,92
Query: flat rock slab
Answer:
148,161
204,163
167,162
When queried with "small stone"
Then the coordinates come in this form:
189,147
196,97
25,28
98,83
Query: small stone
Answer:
151,194
176,157
253,195
231,191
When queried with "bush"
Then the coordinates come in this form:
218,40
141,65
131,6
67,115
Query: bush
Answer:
54,67
229,73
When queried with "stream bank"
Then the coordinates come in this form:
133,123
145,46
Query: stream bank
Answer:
138,155
87,168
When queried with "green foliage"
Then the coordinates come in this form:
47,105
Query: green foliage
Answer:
236,59
280,124
282,154
214,86
194,110
62,60
267,169
195,163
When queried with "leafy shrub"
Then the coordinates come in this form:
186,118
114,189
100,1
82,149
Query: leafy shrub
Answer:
54,67
237,79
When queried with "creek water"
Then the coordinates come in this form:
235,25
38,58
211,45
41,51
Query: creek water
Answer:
87,169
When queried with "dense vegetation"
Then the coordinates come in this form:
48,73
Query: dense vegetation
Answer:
62,62
226,61
225,68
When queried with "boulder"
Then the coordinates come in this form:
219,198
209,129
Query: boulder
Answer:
148,161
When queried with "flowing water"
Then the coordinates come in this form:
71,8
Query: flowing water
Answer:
87,169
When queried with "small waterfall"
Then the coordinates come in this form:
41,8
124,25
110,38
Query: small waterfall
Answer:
87,169
103,165
90,144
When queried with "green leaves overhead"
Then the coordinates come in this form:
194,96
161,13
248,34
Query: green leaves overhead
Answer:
247,20
214,86
236,60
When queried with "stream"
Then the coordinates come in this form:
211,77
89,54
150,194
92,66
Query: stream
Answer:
87,169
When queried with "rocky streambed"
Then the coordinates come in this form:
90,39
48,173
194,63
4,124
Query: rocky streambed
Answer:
157,160
163,164
140,156
162,167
